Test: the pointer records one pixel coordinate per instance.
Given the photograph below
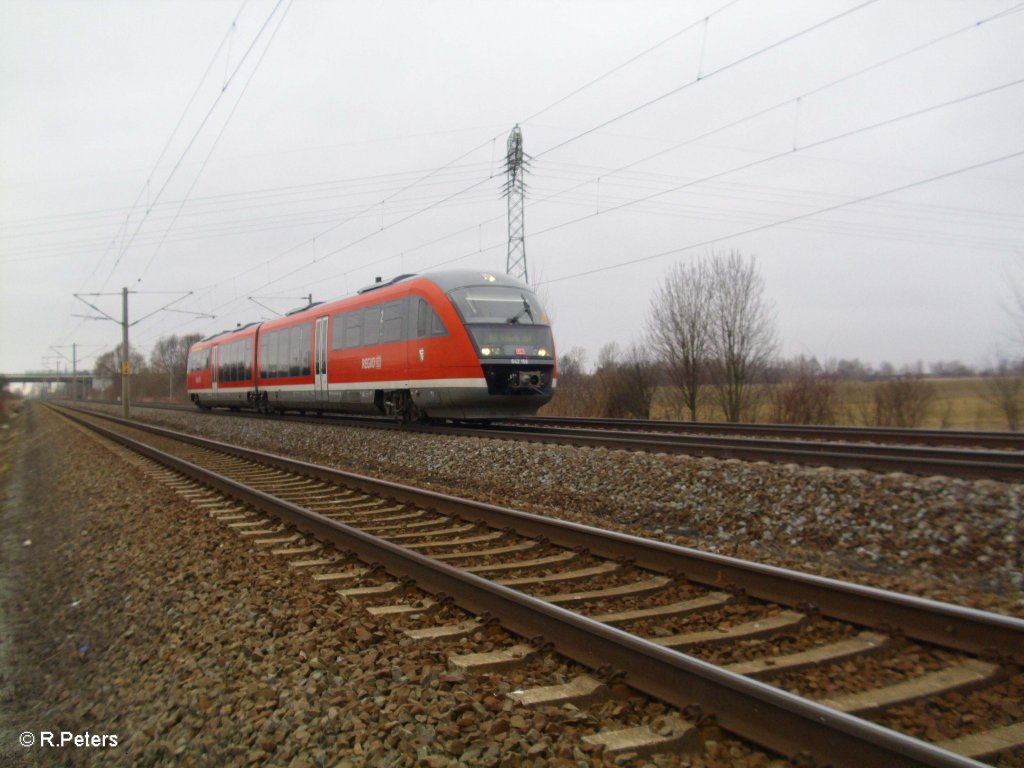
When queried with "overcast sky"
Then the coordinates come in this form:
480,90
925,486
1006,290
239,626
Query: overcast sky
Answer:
867,154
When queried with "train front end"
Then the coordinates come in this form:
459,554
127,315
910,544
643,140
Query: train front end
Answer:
512,341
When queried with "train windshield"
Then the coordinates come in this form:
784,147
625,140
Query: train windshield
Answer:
504,321
507,340
498,304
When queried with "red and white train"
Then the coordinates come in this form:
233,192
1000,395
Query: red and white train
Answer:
458,345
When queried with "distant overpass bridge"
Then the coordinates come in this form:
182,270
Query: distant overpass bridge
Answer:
45,377
50,377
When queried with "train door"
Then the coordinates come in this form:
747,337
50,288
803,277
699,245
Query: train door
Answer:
320,360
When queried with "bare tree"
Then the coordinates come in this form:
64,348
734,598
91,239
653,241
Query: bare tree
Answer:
902,402
575,393
678,328
169,357
627,383
807,395
109,365
605,377
1005,390
741,332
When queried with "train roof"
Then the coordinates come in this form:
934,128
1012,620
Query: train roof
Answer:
446,280
450,279
229,331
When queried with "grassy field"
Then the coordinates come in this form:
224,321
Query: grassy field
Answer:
956,404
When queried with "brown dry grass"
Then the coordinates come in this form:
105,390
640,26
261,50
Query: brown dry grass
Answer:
958,404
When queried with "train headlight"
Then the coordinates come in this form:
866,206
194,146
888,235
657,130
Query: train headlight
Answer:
485,351
542,352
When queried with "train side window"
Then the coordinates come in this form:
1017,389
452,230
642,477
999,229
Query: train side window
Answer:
269,354
428,322
275,354
436,324
225,363
353,329
393,322
371,325
294,352
281,358
337,333
304,342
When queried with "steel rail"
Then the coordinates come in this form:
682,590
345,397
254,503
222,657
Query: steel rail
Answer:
1003,465
951,626
912,436
994,465
761,713
817,433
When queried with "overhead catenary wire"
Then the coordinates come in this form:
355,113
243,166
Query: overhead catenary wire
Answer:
192,141
491,140
633,59
170,138
724,68
476,226
146,185
216,141
752,116
791,219
701,78
228,202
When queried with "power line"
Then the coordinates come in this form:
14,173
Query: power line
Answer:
747,118
471,186
216,141
170,138
237,226
791,219
788,153
720,70
230,202
631,60
724,68
192,141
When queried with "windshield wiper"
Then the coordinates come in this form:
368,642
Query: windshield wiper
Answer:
525,310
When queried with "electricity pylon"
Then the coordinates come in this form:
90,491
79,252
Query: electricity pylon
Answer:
516,162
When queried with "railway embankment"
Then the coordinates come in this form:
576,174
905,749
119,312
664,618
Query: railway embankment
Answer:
956,540
134,615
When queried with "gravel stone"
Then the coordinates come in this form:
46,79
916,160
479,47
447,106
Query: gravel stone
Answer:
133,612
946,538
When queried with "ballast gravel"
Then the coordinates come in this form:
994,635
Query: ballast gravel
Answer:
128,614
949,539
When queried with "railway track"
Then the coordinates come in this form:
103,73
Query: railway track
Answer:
975,463
833,654
880,435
